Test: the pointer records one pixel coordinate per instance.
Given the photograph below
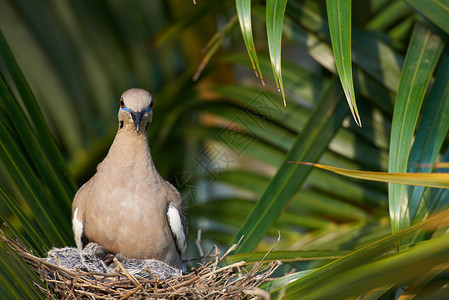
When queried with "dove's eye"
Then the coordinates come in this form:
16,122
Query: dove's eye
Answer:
122,103
151,105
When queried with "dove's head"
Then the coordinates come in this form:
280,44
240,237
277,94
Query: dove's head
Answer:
136,110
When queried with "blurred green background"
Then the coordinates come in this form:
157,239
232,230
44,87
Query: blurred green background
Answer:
224,138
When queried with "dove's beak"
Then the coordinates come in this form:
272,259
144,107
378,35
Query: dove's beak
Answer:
137,119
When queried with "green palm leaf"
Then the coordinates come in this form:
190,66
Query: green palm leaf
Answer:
339,15
424,51
244,14
275,19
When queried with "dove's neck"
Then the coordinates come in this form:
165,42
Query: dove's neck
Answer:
130,151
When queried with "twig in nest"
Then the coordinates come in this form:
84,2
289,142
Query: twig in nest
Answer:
127,274
198,244
232,248
258,264
204,257
258,292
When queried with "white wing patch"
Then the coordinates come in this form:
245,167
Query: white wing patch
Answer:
174,220
77,227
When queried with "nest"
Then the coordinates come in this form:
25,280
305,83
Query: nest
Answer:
211,280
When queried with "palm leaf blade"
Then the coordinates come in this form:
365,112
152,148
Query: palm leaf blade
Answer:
339,15
423,54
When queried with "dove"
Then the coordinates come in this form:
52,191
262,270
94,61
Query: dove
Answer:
127,207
